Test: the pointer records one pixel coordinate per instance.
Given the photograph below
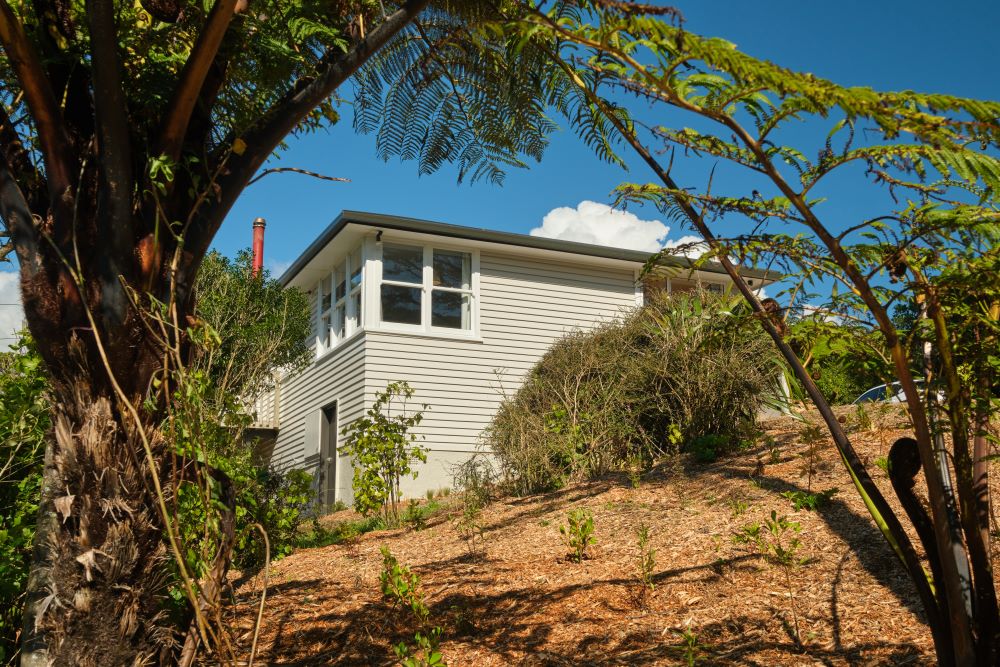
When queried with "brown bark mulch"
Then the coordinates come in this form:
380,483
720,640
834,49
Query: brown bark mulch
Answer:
523,602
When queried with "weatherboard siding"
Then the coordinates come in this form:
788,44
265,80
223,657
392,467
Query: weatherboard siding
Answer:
525,305
336,377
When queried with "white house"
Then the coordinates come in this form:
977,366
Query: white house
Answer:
460,313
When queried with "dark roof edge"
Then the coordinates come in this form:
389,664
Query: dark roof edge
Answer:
486,235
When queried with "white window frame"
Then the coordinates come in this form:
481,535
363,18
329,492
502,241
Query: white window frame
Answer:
324,318
426,291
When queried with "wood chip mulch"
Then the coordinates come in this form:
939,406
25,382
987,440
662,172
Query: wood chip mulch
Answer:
523,602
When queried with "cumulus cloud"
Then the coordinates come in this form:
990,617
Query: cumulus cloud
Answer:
599,224
11,316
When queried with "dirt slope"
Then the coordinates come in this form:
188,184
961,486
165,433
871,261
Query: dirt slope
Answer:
524,603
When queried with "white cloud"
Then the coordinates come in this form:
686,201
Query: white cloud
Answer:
276,267
11,316
599,224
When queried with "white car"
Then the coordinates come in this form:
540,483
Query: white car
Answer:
891,393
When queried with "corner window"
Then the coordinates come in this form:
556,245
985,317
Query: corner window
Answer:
339,302
426,288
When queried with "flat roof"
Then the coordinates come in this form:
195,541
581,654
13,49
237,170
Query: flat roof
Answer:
382,221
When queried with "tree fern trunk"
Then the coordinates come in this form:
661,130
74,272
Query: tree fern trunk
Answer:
100,572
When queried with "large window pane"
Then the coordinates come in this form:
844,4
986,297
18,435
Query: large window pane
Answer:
403,263
339,280
450,310
401,304
338,322
355,278
356,298
451,269
325,292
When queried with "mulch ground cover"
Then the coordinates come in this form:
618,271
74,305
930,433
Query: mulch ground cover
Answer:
521,601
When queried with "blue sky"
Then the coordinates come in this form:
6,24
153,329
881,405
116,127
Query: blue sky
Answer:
886,44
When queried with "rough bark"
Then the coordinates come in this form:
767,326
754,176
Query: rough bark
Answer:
101,562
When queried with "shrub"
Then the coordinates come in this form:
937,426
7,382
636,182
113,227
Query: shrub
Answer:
278,502
24,421
683,366
383,450
578,533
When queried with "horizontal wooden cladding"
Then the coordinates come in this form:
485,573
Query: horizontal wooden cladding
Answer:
337,376
552,273
569,290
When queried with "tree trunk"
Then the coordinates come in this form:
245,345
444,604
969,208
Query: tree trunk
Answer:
96,594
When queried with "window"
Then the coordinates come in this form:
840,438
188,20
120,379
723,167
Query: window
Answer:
451,294
339,301
426,288
402,284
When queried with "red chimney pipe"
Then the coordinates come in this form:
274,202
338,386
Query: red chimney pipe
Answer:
258,247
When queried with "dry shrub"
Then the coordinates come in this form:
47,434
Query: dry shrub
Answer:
683,366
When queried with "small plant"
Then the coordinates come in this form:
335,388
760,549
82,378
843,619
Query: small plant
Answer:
424,653
444,492
738,506
401,586
470,528
690,647
809,501
862,416
429,494
782,550
883,463
774,455
383,450
812,436
750,534
578,533
635,470
707,448
647,559
414,516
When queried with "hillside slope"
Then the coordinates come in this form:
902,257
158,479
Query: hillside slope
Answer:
717,600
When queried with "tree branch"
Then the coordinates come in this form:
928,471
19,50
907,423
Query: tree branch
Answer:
52,135
20,223
178,113
114,206
19,161
281,119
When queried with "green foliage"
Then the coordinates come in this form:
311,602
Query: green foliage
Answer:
415,515
802,500
691,648
383,450
476,479
843,360
708,448
262,326
24,422
883,463
578,533
738,506
320,536
634,390
781,543
402,587
277,501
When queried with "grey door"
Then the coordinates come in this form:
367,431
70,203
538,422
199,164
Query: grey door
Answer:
328,456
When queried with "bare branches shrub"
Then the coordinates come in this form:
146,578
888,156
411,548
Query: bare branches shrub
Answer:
683,366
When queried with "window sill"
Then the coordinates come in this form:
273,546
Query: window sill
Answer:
466,336
340,344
